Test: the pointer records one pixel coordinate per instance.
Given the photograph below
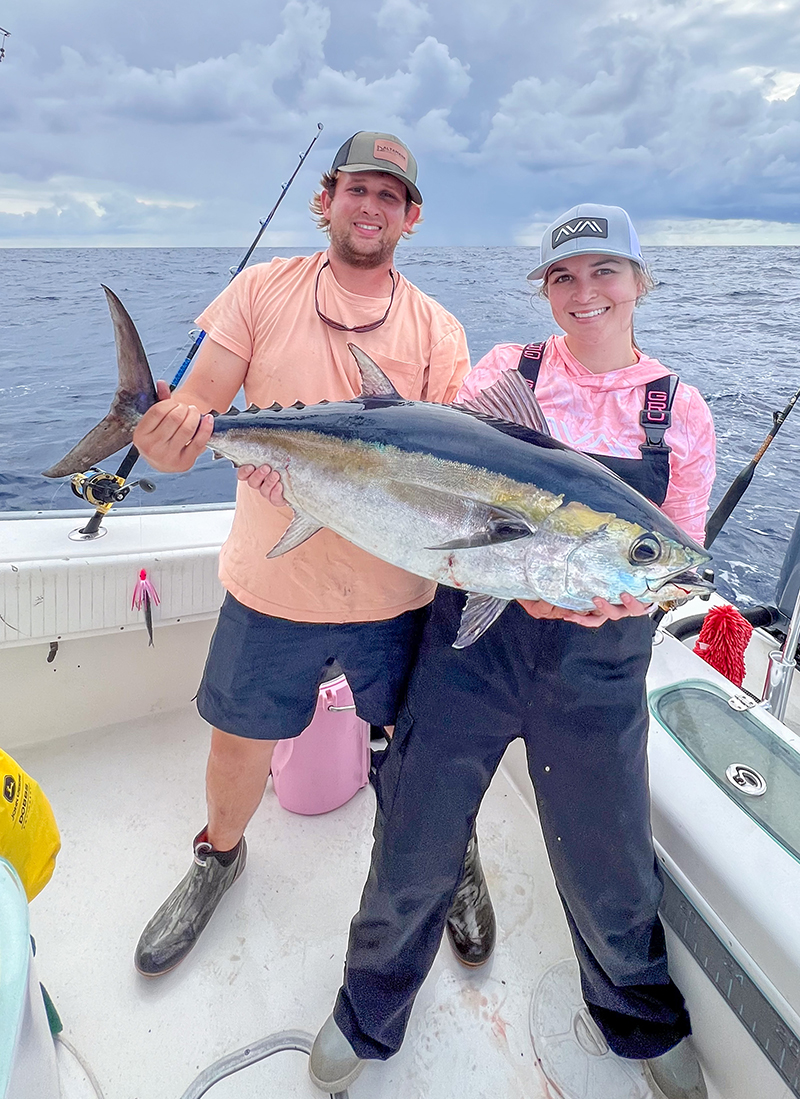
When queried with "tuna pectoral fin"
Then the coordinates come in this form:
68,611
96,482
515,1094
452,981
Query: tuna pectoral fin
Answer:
478,614
300,529
106,438
499,528
485,524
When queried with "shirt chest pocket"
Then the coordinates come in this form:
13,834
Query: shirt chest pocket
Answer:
407,378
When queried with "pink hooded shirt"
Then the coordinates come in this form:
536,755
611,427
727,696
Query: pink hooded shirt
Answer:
599,414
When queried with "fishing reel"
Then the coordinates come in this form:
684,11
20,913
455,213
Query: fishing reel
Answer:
102,490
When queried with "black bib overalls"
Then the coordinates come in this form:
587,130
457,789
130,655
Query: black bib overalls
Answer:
577,698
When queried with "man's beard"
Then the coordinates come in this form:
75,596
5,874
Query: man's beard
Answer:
367,261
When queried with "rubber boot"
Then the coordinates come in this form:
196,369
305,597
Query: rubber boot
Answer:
676,1074
333,1064
471,926
178,923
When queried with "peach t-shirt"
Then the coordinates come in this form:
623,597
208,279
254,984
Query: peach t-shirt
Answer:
599,414
267,316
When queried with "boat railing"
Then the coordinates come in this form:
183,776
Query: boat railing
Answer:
157,509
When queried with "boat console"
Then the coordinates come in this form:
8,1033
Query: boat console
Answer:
27,1054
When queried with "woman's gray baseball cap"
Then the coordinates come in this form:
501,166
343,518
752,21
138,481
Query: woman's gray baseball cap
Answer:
372,152
588,230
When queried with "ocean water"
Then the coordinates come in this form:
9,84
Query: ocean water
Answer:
726,319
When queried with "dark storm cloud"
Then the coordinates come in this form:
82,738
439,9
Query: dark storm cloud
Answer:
178,123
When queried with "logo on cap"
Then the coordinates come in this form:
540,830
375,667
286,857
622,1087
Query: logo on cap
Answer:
387,150
9,787
579,227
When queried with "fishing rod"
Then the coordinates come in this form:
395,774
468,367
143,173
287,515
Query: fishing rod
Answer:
734,494
103,489
238,270
722,512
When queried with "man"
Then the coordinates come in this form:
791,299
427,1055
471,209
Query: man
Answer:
281,330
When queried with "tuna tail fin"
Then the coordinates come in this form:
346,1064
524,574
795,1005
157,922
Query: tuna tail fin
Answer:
135,393
374,382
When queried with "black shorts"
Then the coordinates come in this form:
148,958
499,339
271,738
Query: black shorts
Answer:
262,673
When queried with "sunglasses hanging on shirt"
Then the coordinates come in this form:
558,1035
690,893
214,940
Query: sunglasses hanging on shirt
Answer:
343,327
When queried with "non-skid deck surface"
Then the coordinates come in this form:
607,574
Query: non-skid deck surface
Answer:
128,800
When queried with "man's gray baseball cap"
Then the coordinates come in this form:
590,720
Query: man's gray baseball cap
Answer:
588,230
372,152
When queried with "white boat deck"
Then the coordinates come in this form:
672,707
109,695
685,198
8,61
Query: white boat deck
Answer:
128,800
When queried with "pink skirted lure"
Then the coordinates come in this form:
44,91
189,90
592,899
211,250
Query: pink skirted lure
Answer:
144,596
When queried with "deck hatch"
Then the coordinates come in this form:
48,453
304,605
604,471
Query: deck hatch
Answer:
724,742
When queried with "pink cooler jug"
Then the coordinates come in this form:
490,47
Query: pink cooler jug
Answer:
329,762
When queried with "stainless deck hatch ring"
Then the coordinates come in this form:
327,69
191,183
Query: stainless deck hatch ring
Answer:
746,780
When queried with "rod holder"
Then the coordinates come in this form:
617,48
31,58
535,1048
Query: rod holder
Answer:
781,668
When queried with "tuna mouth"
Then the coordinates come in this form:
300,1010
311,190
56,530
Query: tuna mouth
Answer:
689,579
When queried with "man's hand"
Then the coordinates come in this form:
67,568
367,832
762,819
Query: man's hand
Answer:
265,480
604,612
172,435
538,608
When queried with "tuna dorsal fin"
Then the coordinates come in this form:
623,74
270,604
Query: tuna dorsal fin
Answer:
510,398
476,618
374,382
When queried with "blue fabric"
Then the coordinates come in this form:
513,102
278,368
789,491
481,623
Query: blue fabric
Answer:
262,673
576,697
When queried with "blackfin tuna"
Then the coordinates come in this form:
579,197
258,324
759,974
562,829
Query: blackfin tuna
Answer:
478,497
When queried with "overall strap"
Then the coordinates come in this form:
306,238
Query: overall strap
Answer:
529,362
656,415
652,473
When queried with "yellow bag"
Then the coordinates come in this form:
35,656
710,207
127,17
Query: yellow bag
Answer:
29,836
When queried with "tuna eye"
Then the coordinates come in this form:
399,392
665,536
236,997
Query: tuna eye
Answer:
646,550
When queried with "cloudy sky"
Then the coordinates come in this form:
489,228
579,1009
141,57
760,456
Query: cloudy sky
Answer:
176,123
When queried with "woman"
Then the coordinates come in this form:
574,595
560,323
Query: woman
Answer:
572,685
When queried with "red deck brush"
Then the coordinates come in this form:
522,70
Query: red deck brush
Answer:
723,640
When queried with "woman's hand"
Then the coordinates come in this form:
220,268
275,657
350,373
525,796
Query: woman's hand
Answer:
538,608
609,612
604,612
266,480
